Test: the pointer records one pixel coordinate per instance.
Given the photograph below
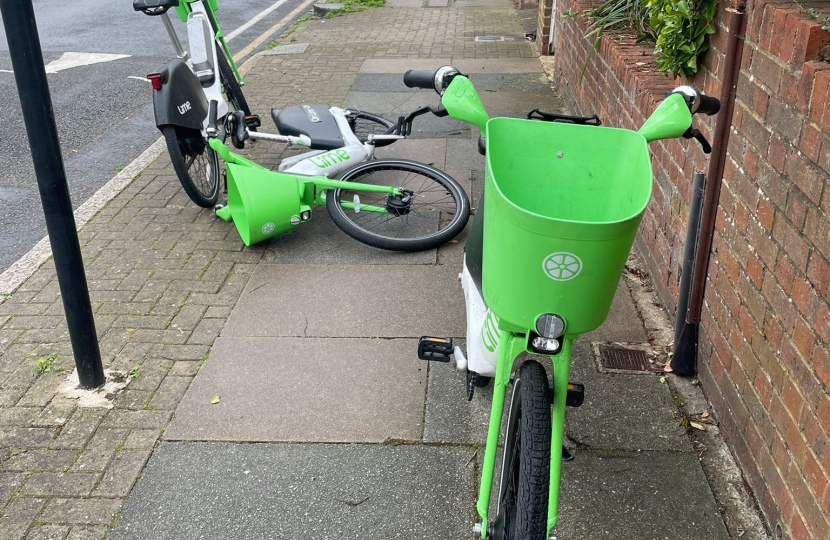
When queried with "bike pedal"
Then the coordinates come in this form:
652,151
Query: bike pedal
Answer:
435,349
253,121
576,395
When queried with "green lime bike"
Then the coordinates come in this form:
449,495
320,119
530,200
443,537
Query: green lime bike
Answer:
563,201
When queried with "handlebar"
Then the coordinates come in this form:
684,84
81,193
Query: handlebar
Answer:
708,105
419,78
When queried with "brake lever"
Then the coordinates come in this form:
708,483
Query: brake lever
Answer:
693,133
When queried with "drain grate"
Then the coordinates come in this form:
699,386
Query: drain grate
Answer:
620,358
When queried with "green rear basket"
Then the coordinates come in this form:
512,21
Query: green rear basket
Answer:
563,204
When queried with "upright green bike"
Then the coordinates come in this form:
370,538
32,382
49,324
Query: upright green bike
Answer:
563,202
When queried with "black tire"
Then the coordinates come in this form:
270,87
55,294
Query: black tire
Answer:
365,123
195,163
229,83
525,474
447,213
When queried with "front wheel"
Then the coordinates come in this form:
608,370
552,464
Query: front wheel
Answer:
525,472
195,164
229,83
432,210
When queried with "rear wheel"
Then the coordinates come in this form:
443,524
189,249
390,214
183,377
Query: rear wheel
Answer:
364,124
432,210
525,473
195,164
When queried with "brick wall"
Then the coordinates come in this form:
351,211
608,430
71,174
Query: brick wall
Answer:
543,26
764,360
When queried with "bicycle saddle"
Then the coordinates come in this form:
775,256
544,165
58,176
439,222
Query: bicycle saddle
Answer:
154,7
314,121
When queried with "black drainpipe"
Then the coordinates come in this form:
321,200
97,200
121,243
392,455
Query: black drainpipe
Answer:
684,360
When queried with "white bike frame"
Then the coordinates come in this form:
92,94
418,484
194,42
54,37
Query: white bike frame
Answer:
203,44
326,163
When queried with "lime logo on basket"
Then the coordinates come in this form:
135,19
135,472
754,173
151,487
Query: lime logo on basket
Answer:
562,266
268,228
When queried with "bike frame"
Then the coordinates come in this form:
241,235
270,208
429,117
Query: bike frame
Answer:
493,345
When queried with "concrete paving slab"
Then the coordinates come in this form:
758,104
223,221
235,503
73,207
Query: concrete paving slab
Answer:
294,48
622,412
430,151
320,241
519,101
380,301
402,65
403,3
623,322
489,82
389,104
307,390
463,154
277,491
450,418
652,495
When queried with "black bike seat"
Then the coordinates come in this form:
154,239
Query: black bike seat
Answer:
151,5
314,121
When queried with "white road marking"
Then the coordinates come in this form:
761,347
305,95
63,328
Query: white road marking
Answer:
70,60
268,33
261,15
6,71
145,79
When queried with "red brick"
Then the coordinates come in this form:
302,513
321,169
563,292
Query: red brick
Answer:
819,102
798,531
796,210
814,476
777,154
755,271
766,213
785,273
818,272
766,70
809,40
821,363
823,412
803,338
823,326
801,294
810,142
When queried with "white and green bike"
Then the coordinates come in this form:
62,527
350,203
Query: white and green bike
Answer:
563,201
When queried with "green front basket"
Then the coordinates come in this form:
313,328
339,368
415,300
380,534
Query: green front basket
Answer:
261,202
563,204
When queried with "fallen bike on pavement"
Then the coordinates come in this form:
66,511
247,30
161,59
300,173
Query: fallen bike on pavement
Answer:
391,204
562,203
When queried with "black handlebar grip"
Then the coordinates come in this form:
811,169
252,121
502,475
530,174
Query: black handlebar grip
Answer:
708,105
420,78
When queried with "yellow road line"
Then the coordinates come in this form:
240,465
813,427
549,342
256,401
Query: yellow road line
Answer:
268,33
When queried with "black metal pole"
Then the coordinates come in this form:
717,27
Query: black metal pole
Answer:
684,359
36,103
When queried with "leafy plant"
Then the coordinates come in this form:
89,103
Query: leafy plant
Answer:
350,6
45,364
135,371
681,27
614,16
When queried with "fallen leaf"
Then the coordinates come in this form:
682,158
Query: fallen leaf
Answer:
214,400
705,414
697,426
662,380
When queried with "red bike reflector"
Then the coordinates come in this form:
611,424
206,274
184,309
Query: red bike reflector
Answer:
155,79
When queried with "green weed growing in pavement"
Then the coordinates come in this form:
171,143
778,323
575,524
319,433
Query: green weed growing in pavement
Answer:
271,45
46,363
135,372
119,168
7,297
351,6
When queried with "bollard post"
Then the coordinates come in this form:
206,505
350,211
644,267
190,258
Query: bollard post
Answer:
39,117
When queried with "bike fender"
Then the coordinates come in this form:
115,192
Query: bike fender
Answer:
181,100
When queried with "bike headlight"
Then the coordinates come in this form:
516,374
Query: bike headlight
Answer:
550,326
